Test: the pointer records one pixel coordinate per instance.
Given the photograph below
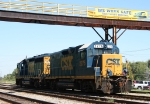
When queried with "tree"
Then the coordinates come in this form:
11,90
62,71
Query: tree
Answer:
139,69
148,62
10,77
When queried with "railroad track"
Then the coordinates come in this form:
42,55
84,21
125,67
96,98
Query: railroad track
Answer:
64,96
89,98
7,85
14,99
133,97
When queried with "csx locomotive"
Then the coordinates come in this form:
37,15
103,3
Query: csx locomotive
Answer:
92,67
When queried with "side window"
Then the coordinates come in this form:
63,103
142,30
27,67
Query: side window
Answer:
141,82
82,55
90,52
145,82
18,66
115,51
98,51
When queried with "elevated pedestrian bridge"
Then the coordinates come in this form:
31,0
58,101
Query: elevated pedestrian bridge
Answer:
30,11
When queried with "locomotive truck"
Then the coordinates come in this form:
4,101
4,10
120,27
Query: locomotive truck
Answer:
92,67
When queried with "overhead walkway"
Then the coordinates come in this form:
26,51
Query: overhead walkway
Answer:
30,11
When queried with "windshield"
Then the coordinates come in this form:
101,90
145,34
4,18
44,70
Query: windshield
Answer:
102,51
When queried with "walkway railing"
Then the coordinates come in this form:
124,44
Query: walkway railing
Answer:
69,9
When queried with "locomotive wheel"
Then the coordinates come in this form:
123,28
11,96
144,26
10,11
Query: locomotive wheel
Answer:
47,84
61,89
84,87
36,84
87,87
32,84
124,87
41,85
53,85
92,86
20,83
106,87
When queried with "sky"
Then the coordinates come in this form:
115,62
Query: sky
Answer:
18,40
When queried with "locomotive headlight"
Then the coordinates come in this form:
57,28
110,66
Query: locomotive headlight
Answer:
109,46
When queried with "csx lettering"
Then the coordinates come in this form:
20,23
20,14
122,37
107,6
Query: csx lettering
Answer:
66,63
114,61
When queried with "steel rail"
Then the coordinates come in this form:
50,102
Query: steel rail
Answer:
79,97
12,99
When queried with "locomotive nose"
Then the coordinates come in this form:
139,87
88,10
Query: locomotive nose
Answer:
111,65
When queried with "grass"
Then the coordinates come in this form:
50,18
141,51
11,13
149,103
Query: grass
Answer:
6,81
140,90
111,100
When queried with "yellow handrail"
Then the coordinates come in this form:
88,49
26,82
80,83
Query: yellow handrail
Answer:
71,10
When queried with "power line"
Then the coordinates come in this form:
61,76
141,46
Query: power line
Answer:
135,54
138,50
127,54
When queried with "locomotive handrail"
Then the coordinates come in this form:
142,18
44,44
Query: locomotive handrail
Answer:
34,6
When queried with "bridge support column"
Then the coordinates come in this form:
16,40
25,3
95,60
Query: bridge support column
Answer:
106,34
114,35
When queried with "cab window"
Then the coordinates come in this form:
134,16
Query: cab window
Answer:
82,54
107,51
98,51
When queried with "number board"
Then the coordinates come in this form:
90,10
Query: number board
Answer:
98,46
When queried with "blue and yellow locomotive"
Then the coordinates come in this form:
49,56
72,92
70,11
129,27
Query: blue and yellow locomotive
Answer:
93,67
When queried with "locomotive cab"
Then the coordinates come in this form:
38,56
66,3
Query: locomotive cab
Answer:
103,57
95,50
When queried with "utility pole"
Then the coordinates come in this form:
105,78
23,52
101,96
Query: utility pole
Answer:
129,70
